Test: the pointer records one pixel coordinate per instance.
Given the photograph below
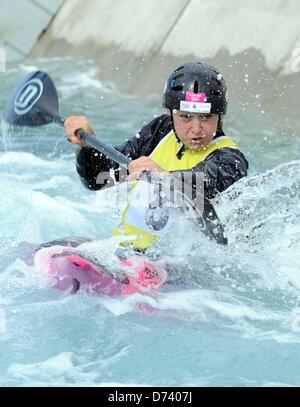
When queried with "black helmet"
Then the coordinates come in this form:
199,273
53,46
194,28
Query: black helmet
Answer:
197,88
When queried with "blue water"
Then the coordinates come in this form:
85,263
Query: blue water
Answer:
234,318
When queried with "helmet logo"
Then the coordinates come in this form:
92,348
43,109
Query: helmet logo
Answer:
28,96
190,96
195,107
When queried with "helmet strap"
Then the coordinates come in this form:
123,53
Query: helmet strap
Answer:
220,122
181,151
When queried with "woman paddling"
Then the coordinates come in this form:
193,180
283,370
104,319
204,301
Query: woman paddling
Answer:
186,141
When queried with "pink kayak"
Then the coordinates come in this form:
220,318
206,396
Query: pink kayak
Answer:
71,271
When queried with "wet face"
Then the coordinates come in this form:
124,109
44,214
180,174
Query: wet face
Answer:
195,130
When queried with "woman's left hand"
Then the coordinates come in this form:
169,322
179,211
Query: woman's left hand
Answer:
144,164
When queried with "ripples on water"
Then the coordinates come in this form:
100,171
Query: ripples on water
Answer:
235,317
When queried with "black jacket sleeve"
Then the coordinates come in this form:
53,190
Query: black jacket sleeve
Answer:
90,164
93,167
221,169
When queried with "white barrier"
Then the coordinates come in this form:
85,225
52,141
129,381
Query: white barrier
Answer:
2,60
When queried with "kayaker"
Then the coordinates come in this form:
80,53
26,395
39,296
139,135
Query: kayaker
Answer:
187,139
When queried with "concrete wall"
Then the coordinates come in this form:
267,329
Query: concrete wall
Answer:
271,27
132,32
137,43
21,23
183,27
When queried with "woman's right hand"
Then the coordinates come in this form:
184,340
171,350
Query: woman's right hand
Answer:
75,123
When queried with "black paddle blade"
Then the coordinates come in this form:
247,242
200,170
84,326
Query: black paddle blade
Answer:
33,102
212,222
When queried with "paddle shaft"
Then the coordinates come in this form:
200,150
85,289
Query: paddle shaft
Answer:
99,145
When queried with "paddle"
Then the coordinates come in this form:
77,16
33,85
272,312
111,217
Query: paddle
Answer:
34,102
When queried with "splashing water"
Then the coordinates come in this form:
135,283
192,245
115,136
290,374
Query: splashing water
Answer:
230,316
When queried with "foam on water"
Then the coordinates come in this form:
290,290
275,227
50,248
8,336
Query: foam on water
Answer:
229,316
